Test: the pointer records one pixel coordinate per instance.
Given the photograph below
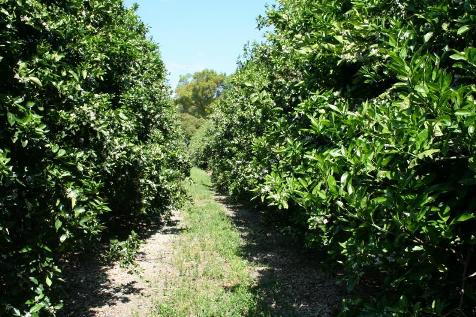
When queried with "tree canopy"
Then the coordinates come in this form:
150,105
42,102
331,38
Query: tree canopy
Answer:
194,97
196,92
354,123
88,138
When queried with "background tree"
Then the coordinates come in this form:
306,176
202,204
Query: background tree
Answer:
194,96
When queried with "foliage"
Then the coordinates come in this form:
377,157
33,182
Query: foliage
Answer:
194,98
190,124
125,251
198,147
195,93
356,121
228,141
88,137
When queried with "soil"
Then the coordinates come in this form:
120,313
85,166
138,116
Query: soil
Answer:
96,289
289,281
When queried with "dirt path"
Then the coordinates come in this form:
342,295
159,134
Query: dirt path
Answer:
289,280
285,280
95,290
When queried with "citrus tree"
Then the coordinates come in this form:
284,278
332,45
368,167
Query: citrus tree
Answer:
88,137
355,125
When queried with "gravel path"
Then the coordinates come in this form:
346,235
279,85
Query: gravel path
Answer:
95,290
289,281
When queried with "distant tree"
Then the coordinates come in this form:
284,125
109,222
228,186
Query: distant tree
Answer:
191,124
194,96
196,92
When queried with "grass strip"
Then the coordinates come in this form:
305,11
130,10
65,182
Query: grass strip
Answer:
212,279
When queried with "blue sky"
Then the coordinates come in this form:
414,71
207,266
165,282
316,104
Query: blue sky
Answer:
194,35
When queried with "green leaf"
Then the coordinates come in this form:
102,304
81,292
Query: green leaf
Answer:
427,153
35,80
75,76
380,200
36,308
350,188
458,57
78,210
34,280
421,138
26,249
471,130
464,113
462,30
284,204
422,89
339,38
343,178
464,217
428,36
331,182
123,116
73,201
11,118
48,281
315,124
58,224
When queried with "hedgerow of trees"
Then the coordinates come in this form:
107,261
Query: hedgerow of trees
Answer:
355,123
88,138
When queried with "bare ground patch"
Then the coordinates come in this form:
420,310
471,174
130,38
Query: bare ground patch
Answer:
289,281
93,289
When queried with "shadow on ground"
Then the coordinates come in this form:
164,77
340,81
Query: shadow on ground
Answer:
289,281
87,286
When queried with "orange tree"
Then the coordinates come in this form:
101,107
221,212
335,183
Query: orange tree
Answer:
88,137
355,122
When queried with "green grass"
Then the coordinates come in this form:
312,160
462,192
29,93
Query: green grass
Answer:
213,279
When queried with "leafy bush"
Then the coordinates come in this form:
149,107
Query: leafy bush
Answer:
191,124
88,137
125,252
198,146
356,121
228,142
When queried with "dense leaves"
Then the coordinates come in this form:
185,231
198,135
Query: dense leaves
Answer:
194,98
196,92
87,137
356,120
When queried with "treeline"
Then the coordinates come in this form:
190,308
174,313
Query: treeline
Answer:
89,138
355,124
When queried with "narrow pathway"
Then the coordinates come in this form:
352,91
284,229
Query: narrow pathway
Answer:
231,264
98,290
289,281
215,259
